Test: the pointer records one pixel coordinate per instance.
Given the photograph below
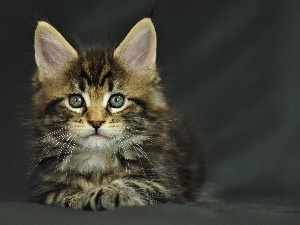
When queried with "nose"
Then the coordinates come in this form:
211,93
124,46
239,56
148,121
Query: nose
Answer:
96,123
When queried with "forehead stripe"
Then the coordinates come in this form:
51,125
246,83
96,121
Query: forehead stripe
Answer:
105,77
81,85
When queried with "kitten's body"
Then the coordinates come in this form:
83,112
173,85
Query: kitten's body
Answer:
99,156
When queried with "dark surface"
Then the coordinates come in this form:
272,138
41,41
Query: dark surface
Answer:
206,214
232,68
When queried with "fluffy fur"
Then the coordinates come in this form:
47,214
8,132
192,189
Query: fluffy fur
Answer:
98,156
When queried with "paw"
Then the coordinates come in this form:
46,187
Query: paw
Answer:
110,197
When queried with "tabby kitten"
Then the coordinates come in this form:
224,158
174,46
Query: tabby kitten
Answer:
104,136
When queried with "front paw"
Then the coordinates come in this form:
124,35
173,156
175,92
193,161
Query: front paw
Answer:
111,196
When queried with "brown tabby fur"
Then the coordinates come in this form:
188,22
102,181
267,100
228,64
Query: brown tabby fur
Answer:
161,167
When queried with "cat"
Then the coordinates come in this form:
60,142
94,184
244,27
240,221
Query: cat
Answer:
103,133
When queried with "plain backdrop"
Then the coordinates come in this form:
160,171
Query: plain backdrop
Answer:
231,68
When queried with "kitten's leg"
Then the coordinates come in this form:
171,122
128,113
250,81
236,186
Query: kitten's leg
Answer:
118,194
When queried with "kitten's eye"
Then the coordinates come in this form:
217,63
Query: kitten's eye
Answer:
116,101
76,101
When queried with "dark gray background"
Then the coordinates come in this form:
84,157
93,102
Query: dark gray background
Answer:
232,68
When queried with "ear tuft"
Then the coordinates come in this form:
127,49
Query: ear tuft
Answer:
138,49
52,51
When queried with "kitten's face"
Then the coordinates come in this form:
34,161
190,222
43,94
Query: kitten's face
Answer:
100,100
98,111
102,107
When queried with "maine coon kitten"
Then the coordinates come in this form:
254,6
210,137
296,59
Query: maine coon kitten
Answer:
104,136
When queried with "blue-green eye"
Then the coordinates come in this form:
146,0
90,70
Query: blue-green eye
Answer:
76,101
116,101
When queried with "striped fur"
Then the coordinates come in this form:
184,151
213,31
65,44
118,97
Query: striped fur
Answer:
142,155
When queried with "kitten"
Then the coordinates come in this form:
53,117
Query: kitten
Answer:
104,135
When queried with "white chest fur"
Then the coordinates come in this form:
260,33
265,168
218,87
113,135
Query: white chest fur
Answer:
89,161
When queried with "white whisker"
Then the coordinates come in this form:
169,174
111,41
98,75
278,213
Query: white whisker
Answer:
59,143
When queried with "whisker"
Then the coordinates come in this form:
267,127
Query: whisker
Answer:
60,143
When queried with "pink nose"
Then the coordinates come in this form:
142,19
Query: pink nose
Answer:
95,123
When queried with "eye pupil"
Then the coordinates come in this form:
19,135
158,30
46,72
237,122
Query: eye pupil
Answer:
76,101
116,101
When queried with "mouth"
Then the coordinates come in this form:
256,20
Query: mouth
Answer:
96,135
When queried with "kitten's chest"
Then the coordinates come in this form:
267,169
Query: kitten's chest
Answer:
86,162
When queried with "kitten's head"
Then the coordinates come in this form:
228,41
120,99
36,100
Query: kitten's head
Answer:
98,99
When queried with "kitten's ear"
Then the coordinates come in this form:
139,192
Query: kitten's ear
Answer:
138,49
52,51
